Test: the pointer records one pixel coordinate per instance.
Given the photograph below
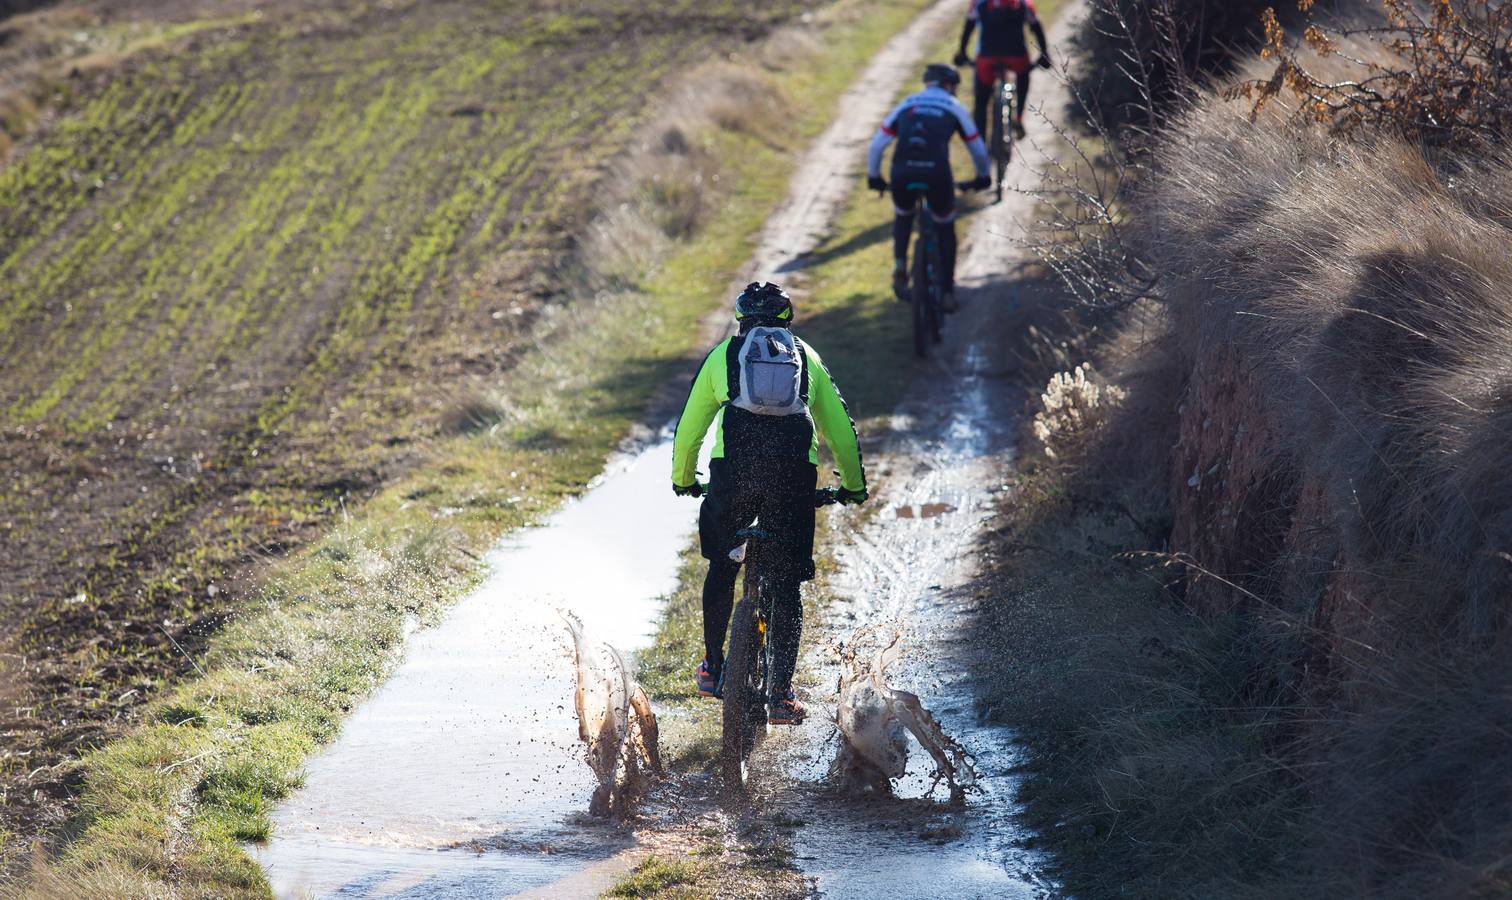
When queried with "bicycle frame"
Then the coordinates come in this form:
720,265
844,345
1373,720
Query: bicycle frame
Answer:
1004,98
928,275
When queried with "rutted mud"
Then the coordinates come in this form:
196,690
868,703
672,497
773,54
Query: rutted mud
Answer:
950,440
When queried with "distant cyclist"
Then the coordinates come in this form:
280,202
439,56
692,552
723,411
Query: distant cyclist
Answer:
1002,47
771,399
923,125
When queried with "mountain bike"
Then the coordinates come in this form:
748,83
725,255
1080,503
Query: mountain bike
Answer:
1000,126
748,665
927,281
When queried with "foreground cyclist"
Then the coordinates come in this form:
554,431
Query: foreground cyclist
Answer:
773,399
923,125
1002,47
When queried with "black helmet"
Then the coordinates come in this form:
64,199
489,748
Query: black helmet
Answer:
763,301
941,74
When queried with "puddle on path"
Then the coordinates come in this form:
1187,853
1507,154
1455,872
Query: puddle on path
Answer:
923,511
463,776
952,440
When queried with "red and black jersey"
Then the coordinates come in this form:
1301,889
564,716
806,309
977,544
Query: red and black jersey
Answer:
1001,25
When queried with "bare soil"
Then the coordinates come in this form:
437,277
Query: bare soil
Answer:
249,275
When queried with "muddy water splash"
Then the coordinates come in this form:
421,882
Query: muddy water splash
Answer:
463,774
615,722
875,720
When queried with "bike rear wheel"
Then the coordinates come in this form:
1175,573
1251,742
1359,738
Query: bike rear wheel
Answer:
1002,131
922,285
744,691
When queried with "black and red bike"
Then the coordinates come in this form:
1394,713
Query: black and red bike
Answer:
746,683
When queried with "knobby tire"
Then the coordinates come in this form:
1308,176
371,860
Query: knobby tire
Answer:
921,282
744,706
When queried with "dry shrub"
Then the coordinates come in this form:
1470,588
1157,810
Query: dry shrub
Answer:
1140,56
1439,73
1340,314
1366,294
1072,408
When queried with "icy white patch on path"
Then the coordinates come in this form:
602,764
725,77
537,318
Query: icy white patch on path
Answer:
473,739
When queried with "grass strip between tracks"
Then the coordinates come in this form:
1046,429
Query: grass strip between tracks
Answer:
168,807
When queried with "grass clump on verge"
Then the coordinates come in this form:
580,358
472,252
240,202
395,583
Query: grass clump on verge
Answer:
657,877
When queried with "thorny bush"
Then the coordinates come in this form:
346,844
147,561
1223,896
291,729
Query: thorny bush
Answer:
1446,78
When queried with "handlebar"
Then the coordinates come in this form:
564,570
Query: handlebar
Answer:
822,497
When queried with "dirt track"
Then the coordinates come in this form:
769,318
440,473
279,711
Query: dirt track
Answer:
941,465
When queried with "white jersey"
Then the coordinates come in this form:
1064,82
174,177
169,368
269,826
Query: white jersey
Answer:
923,124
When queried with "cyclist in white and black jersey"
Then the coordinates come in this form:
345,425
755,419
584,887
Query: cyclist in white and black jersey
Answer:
923,125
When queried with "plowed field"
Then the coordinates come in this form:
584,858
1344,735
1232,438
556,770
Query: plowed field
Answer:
245,275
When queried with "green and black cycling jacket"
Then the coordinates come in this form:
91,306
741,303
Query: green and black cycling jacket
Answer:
739,432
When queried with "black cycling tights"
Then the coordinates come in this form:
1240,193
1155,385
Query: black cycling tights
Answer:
982,101
787,624
903,227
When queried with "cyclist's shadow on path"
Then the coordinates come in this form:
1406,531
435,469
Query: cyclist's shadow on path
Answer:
830,250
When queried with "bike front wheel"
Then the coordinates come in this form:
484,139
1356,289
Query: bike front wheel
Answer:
744,693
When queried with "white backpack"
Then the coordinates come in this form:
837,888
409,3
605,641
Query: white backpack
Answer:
771,373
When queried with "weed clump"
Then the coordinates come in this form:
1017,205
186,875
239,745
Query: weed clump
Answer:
1073,406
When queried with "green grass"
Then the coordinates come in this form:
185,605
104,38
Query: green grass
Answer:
166,807
657,877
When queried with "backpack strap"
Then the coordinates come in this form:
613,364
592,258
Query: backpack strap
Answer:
732,368
803,385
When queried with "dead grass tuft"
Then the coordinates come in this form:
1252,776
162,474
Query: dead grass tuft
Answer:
1362,293
670,182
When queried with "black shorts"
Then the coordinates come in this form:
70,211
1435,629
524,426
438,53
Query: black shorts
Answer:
939,190
778,491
